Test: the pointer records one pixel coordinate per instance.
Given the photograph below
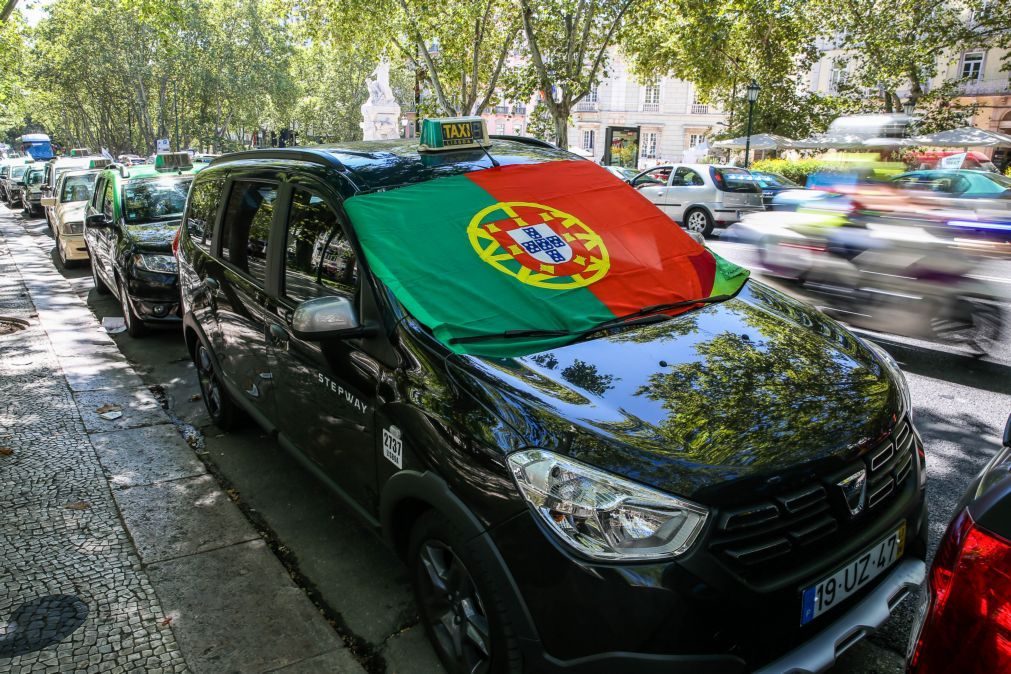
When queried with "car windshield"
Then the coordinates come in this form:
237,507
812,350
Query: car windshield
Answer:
78,188
153,199
735,180
18,171
35,177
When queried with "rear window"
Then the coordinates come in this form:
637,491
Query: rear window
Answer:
734,180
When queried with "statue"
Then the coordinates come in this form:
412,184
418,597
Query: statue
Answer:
381,112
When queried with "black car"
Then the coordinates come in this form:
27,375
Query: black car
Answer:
130,223
965,616
738,487
772,184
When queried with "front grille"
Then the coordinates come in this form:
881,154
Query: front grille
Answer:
750,537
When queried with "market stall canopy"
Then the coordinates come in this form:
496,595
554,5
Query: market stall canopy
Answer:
759,141
967,136
890,142
825,141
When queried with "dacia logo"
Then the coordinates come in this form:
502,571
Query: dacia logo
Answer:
854,489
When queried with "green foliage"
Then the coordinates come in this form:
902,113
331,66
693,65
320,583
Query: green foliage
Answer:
941,109
797,170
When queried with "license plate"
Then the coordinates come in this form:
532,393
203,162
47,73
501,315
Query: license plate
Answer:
833,590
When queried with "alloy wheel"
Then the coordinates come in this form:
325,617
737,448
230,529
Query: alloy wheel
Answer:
210,387
453,609
696,221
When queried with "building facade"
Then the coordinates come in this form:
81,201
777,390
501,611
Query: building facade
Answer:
626,122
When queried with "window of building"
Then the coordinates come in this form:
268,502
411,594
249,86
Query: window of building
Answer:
588,137
246,226
972,66
698,107
203,207
319,260
591,95
696,139
837,77
647,145
651,100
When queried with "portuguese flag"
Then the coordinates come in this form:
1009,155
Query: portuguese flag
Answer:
560,245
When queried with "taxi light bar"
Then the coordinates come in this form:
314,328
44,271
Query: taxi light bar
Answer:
453,133
173,161
80,152
101,162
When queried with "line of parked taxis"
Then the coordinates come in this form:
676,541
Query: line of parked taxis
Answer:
726,483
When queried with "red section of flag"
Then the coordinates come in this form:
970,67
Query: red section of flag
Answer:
652,260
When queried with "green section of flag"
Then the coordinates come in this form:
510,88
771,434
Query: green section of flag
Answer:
729,277
415,240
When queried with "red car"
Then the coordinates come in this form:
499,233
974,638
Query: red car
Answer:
966,617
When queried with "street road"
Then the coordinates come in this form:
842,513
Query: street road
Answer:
960,406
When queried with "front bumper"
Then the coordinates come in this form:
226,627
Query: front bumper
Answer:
73,247
154,296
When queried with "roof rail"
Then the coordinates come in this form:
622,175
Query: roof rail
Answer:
526,140
301,153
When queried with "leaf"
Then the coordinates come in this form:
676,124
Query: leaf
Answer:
78,505
167,621
6,451
108,407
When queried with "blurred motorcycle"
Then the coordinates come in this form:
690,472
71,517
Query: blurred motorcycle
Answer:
889,268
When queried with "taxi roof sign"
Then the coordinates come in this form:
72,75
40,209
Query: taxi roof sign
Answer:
80,152
99,162
453,133
173,161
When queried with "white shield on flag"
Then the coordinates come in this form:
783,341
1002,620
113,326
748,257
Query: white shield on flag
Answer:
542,243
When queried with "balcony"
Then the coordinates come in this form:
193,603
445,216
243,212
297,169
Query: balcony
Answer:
651,107
501,109
985,87
700,109
519,109
586,106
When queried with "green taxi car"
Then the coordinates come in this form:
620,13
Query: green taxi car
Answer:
129,226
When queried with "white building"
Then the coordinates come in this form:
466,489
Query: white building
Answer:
665,114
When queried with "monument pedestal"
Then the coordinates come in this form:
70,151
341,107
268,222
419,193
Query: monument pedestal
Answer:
382,122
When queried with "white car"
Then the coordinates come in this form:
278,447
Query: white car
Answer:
55,168
68,204
697,196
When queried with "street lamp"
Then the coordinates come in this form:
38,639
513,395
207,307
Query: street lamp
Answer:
753,90
910,107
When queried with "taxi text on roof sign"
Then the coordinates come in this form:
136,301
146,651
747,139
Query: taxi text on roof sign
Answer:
452,133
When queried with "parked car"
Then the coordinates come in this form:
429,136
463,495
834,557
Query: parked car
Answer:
31,191
73,191
736,488
12,184
772,184
964,616
129,225
5,169
56,166
697,196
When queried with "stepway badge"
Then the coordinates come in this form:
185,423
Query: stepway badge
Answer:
393,446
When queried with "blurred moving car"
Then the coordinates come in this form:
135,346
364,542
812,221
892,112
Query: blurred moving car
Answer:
772,184
935,159
962,183
966,613
699,195
73,190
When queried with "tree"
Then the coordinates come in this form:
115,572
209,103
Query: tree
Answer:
13,55
567,43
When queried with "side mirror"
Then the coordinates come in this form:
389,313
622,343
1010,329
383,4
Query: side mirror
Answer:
97,220
328,318
48,202
1007,432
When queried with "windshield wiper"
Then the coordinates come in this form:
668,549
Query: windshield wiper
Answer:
655,309
510,334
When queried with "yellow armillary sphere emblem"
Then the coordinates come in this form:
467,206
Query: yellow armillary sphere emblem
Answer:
539,245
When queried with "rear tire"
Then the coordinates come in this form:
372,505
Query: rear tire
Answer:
699,220
460,606
222,410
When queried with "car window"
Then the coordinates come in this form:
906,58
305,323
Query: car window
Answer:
688,177
109,201
657,176
77,188
246,226
203,206
319,259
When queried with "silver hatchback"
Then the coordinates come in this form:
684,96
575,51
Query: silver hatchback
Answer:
697,196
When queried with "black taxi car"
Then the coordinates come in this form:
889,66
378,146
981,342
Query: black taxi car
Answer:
129,225
710,485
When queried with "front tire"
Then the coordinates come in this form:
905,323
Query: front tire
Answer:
134,325
699,220
459,604
100,286
60,255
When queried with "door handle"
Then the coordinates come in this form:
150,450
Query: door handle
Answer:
278,337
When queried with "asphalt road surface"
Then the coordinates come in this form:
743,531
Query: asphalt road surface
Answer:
960,406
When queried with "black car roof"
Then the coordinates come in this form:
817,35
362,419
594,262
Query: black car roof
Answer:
380,164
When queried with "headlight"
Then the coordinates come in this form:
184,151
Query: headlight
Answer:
165,264
604,516
893,367
75,228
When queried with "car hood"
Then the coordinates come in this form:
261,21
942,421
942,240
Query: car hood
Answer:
154,236
751,389
73,211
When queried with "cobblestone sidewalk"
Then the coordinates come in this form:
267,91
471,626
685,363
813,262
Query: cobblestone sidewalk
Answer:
118,552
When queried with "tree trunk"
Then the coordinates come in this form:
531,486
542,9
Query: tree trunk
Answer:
561,116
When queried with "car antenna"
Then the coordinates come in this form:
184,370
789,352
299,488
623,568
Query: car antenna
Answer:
494,162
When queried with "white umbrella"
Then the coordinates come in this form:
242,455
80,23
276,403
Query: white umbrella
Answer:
826,141
759,141
967,136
